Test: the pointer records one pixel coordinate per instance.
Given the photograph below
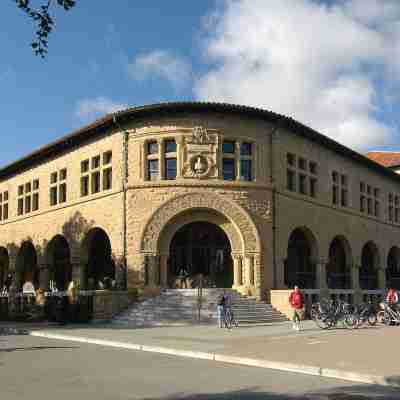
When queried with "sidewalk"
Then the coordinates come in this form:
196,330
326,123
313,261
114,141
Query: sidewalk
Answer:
362,355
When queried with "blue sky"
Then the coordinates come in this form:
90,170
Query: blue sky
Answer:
332,65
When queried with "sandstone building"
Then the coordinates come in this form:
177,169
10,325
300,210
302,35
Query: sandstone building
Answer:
246,197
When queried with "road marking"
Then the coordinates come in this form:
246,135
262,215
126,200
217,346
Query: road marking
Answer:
317,342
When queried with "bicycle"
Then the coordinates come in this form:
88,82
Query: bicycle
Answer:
390,316
365,313
229,319
327,314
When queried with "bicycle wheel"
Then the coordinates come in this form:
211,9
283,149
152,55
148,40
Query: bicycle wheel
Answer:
350,321
387,320
372,319
380,316
322,321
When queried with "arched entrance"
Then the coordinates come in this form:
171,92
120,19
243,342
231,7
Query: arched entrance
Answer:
4,264
338,274
203,248
98,265
60,271
369,267
393,268
300,266
26,269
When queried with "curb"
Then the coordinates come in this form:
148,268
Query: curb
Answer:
251,362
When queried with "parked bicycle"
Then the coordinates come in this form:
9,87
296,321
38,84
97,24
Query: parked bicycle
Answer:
390,316
327,314
229,319
365,313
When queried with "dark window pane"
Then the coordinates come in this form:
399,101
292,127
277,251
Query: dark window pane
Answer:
152,170
343,180
96,162
362,187
228,169
291,159
376,211
362,203
344,198
107,157
228,147
20,206
170,146
28,187
84,186
302,184
53,196
291,181
63,174
391,213
20,190
396,215
96,182
28,204
334,176
245,149
390,197
313,187
376,192
63,193
107,179
369,206
152,148
6,196
1,197
84,166
170,168
1,213
5,211
313,167
246,170
35,202
302,163
36,184
335,194
53,177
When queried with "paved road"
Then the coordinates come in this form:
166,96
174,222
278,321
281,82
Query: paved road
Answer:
35,368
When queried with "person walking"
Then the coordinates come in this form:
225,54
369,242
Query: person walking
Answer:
221,311
392,299
296,301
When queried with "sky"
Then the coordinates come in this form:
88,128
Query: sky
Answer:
333,65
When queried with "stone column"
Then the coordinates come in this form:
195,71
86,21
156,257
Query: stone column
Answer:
164,270
153,273
382,278
321,278
179,156
237,270
258,277
355,281
161,164
249,270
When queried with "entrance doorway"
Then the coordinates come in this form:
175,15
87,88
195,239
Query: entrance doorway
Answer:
202,248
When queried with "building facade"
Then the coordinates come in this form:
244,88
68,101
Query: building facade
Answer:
242,197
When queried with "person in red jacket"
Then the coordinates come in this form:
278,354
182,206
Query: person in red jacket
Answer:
392,299
296,301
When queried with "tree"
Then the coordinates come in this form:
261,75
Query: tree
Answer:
44,21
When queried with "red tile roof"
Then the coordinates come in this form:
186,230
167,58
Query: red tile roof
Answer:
386,158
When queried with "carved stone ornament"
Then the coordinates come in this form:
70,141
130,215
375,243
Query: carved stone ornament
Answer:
199,166
200,135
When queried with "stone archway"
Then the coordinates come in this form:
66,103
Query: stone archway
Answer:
393,268
207,207
59,263
338,269
26,265
368,275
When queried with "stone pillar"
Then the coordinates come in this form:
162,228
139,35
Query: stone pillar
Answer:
153,270
321,278
382,278
136,270
237,270
179,157
355,281
164,270
249,270
258,277
161,165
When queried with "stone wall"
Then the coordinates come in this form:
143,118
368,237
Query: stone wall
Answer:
107,304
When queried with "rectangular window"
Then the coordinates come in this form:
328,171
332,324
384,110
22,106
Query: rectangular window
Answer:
96,182
170,146
107,179
95,162
291,180
152,148
53,196
152,170
170,168
5,211
84,185
376,209
302,184
302,163
35,202
291,159
53,177
313,187
368,189
362,203
313,167
344,198
63,174
107,158
390,213
228,169
343,180
396,215
335,194
245,149
20,210
28,187
246,170
84,166
369,203
27,204
20,190
36,184
362,187
1,213
6,196
62,195
376,192
228,147
335,177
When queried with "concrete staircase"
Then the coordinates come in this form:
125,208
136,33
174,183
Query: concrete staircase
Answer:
180,307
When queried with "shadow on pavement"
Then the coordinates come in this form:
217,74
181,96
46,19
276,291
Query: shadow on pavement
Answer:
358,392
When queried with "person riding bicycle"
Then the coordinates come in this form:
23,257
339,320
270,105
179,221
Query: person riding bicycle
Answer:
296,301
392,299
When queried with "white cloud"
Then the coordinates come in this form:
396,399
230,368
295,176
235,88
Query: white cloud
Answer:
161,63
92,108
326,66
